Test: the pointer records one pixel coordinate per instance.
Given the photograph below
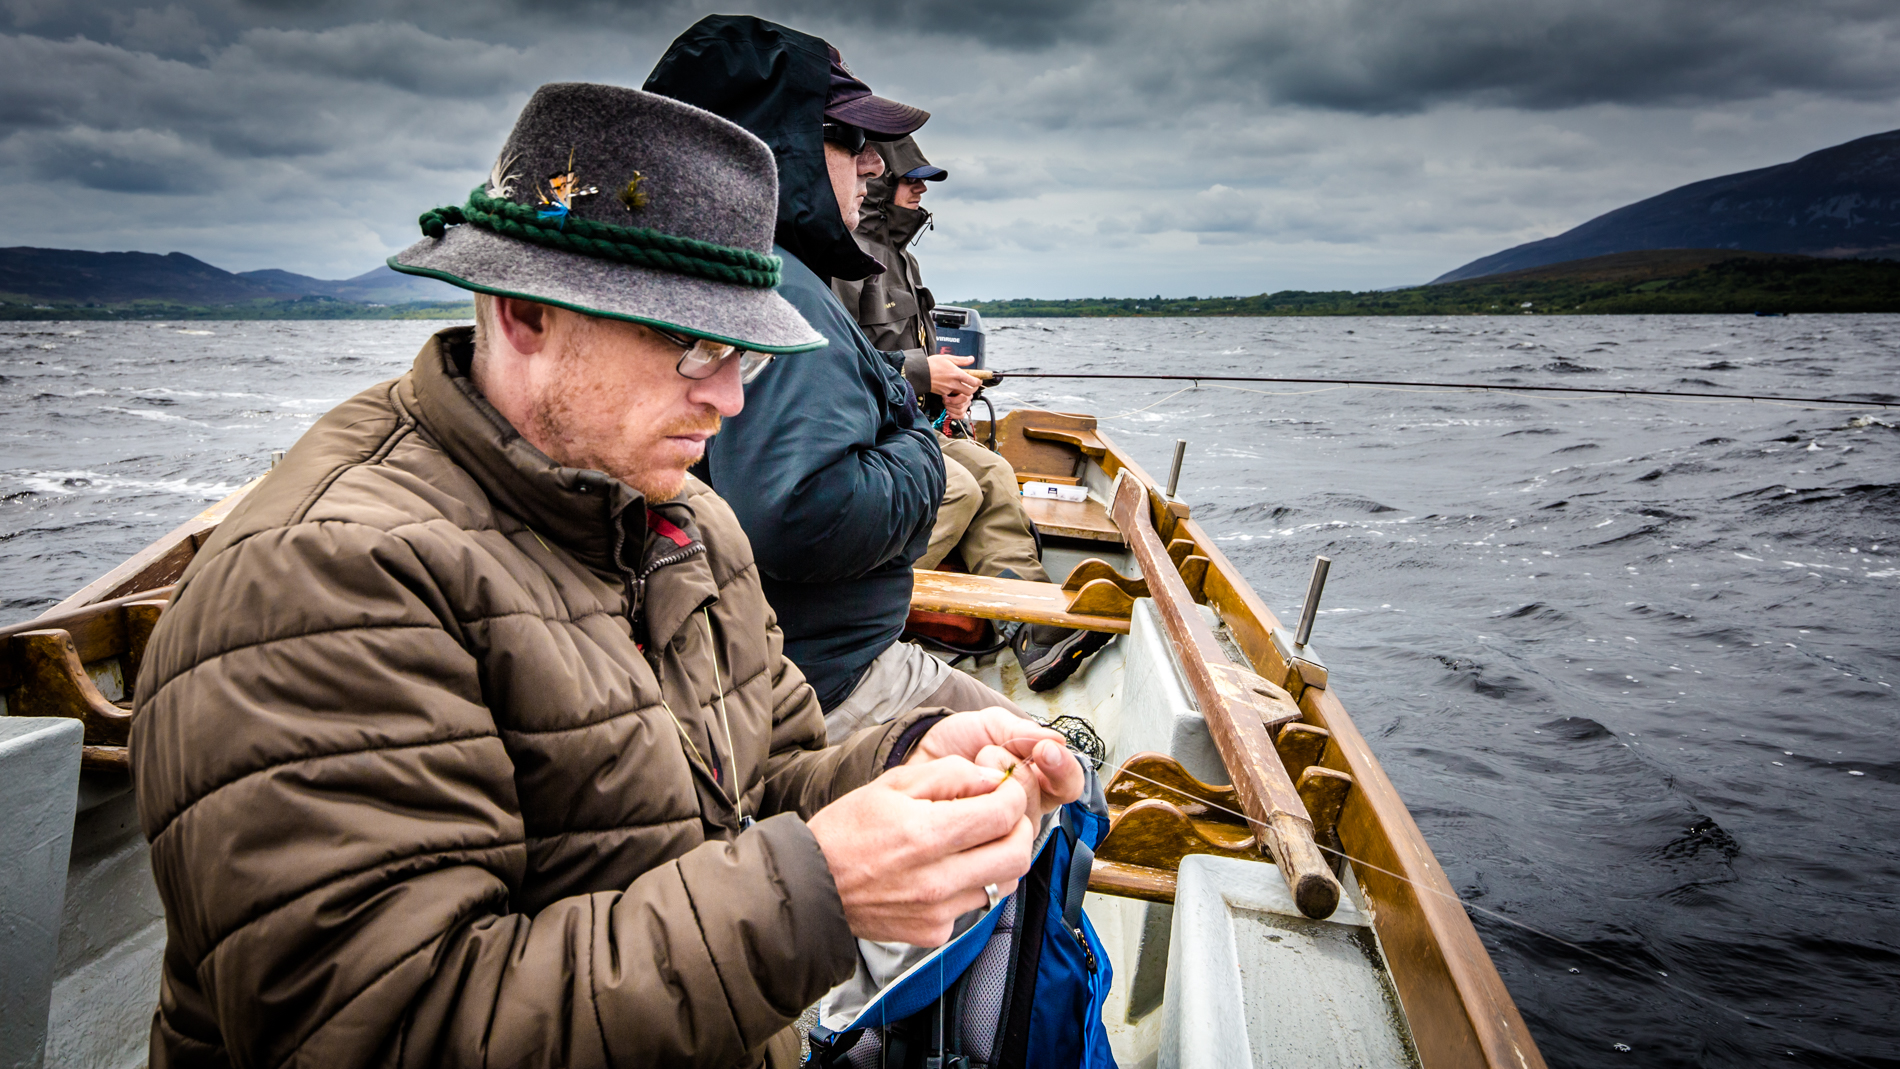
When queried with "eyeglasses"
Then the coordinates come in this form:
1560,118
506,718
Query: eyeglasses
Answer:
845,136
704,357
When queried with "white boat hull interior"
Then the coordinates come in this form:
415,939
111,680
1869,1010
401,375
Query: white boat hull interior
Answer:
1253,983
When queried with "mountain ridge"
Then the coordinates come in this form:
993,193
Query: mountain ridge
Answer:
1837,202
1695,281
113,278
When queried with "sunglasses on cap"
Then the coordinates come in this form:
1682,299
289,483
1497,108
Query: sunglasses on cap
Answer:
703,357
846,136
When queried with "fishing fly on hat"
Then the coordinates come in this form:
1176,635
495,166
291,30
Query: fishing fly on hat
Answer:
628,205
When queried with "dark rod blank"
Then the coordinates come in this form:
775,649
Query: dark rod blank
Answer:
1174,475
1311,609
1458,386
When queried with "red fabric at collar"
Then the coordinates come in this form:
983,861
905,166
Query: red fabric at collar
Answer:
667,530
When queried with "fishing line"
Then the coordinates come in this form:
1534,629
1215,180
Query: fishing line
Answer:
1456,387
1494,915
1163,401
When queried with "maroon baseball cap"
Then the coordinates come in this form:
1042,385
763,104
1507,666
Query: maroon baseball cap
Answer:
851,101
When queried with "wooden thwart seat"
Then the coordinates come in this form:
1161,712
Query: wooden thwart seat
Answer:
1083,439
1086,520
1004,599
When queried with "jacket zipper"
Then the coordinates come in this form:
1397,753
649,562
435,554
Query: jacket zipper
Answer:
639,584
636,598
636,594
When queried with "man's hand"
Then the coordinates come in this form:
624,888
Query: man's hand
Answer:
1041,753
912,850
949,381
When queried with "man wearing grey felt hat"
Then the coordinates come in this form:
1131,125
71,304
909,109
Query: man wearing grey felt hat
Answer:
469,737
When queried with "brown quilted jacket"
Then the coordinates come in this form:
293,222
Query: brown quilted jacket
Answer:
414,794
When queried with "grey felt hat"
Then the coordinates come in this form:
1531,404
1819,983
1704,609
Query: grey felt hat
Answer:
620,203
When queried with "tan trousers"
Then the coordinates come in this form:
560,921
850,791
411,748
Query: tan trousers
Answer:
903,678
981,516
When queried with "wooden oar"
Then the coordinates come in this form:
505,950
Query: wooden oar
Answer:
1239,707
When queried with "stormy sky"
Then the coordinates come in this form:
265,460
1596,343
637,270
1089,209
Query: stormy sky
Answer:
1119,147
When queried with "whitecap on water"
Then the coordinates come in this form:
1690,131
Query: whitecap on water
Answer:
73,482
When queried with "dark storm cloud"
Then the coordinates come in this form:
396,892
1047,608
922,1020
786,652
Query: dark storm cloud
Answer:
1149,64
1209,124
272,94
1362,55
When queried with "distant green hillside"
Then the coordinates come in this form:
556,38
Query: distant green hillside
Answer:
75,284
17,307
1700,281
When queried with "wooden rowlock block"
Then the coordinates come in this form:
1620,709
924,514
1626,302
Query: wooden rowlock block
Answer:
43,668
1324,792
1096,568
1101,597
1160,813
1191,565
1301,746
55,683
1095,588
1194,576
1156,775
1154,834
1179,550
140,618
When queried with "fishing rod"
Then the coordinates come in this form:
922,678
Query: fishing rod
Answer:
990,378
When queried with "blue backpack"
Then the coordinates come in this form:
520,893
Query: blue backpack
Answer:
1022,988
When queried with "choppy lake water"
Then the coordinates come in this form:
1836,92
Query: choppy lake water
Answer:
1629,661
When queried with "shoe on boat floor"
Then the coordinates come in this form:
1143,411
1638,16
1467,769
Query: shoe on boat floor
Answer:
1050,654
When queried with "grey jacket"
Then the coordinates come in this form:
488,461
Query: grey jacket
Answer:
893,308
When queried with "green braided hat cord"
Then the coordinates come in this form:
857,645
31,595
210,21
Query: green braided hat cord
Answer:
635,245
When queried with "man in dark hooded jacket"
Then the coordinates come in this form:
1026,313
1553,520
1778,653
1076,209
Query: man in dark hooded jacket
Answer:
981,517
833,471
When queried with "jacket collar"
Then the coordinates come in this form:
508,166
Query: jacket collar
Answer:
673,592
902,225
882,222
593,516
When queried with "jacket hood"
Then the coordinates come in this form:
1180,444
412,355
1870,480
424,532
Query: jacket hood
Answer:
904,155
772,80
882,222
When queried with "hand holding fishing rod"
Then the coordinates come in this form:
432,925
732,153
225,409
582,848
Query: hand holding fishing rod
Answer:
957,386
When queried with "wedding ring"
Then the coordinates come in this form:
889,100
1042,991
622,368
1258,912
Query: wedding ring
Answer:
990,889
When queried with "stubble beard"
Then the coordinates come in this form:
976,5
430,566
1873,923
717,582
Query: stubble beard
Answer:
632,458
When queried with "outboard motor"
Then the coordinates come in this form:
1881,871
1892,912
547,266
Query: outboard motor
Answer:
960,332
